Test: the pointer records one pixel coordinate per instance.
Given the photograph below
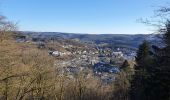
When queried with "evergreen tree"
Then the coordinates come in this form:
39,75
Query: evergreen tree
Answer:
160,77
166,64
139,82
143,56
167,34
125,66
152,76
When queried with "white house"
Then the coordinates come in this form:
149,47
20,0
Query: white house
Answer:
56,53
117,54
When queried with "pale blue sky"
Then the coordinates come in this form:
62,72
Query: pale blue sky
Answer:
81,16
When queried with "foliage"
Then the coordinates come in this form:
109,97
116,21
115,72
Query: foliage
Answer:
139,81
125,66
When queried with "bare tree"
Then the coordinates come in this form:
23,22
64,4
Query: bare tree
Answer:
5,28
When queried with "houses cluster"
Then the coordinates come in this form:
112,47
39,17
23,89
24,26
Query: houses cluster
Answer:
84,52
67,46
58,53
104,67
105,72
98,59
117,54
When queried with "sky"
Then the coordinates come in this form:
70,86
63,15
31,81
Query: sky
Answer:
81,16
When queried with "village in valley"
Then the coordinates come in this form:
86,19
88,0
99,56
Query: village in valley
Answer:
73,56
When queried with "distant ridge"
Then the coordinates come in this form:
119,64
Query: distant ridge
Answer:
132,40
